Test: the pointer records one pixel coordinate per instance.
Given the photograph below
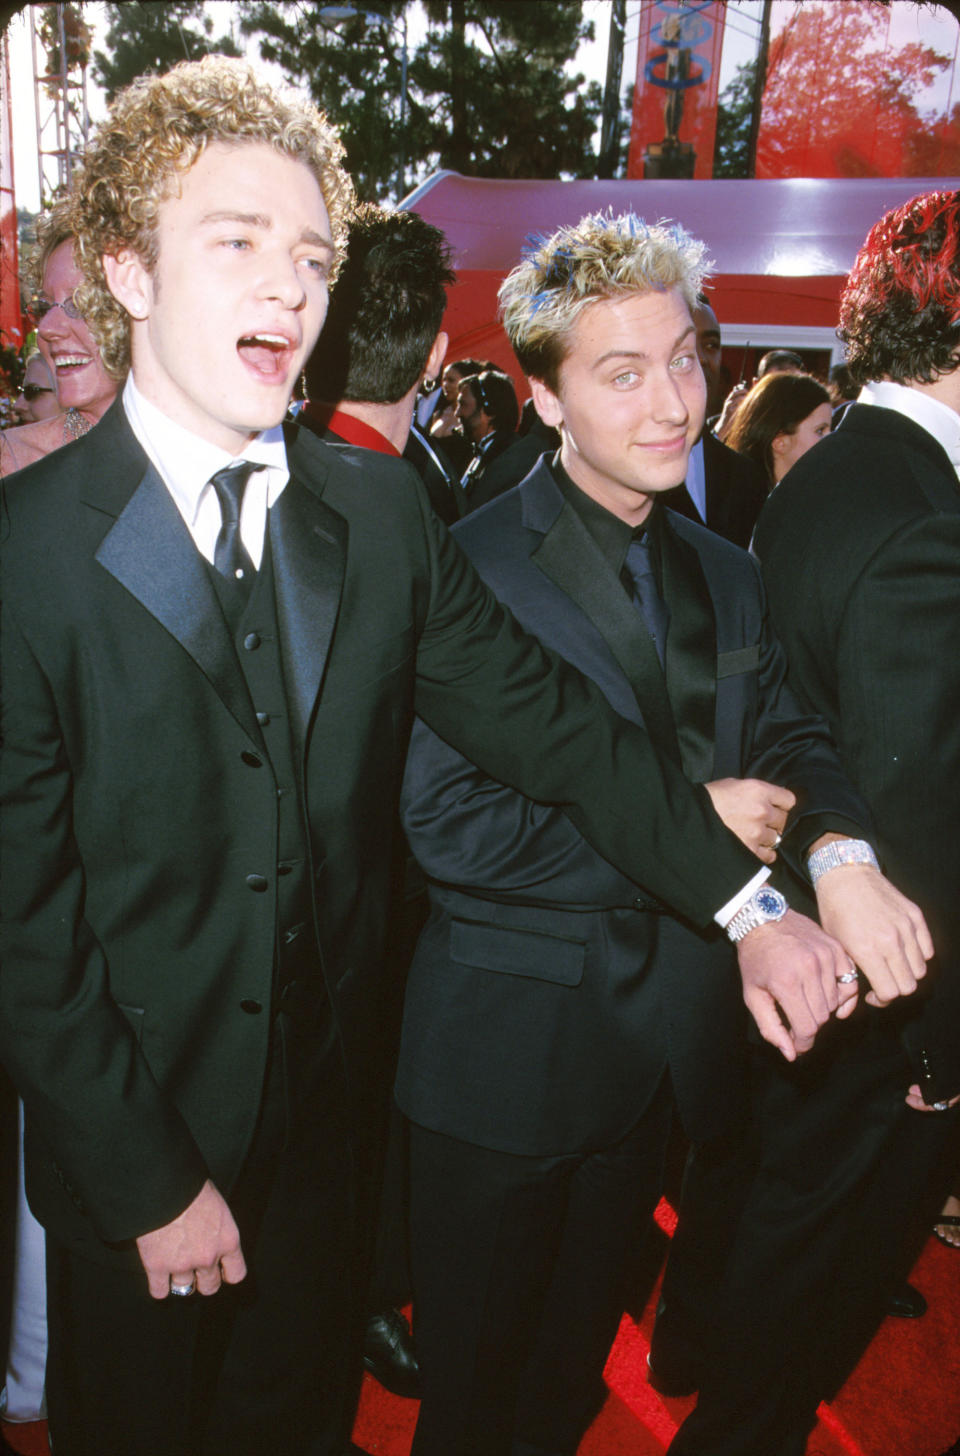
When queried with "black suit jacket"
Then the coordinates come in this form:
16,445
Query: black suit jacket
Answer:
547,991
735,489
137,957
860,547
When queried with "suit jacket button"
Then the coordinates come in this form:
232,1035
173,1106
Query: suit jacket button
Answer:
252,760
251,1007
263,719
252,641
259,883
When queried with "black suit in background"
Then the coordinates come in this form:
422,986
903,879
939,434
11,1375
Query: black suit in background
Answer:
163,1019
735,492
860,547
551,1006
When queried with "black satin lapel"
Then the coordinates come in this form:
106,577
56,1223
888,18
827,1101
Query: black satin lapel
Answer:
309,543
691,657
149,551
569,556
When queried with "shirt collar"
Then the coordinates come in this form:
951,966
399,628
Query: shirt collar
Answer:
938,419
186,462
612,535
358,432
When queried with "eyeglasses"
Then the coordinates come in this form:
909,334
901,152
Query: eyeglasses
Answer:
34,391
41,306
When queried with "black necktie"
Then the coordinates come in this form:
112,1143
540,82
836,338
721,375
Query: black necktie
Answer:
230,556
647,596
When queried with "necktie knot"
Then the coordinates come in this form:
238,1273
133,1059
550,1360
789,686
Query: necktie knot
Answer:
230,556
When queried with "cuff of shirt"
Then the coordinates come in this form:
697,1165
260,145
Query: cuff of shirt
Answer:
726,912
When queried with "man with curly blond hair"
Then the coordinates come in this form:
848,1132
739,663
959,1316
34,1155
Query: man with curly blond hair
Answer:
214,634
555,1013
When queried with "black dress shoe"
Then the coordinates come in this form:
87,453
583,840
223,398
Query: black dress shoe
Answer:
906,1302
389,1353
671,1383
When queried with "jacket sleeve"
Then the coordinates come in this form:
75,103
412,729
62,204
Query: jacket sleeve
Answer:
469,831
137,1167
536,725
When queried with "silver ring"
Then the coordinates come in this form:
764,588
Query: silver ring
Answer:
848,978
940,1106
183,1290
778,841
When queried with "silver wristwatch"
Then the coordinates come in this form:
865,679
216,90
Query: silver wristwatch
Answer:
765,906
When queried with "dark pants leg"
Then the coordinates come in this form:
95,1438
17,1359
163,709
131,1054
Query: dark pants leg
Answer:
269,1365
847,1173
518,1268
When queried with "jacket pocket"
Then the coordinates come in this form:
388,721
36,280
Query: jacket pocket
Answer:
518,952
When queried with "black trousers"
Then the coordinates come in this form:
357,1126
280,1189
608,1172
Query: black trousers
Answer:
266,1366
842,1192
519,1266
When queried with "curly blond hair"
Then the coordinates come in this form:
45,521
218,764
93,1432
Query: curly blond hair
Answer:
599,257
155,131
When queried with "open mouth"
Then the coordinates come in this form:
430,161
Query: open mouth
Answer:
267,355
66,363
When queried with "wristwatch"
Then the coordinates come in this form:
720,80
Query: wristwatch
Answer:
764,907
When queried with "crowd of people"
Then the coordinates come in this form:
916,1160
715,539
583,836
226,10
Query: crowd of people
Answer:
398,780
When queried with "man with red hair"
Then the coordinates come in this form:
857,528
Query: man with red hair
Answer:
860,548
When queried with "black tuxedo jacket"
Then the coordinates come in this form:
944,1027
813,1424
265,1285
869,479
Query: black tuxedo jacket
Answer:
135,802
735,488
860,548
547,991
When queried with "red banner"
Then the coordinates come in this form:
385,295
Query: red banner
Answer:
675,99
11,323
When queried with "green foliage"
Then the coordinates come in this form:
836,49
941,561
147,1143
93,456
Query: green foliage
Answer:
487,89
731,154
149,39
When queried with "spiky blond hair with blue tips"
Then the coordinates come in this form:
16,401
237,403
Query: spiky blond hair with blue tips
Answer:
599,257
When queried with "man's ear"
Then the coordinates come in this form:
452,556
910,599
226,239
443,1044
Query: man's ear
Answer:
546,403
436,356
129,281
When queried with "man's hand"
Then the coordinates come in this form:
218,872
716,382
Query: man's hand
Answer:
203,1243
882,931
792,966
754,811
914,1099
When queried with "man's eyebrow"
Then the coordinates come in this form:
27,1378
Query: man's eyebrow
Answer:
639,353
261,220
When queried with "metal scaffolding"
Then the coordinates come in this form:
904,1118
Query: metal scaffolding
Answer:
60,50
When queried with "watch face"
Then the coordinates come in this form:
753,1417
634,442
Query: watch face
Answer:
770,903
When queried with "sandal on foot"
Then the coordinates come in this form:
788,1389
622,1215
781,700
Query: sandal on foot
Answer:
950,1220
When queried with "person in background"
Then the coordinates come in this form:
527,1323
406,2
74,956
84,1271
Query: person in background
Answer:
781,418
775,361
37,399
488,411
381,338
85,387
722,489
444,427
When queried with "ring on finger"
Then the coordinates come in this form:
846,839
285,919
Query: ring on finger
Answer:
940,1106
848,977
183,1291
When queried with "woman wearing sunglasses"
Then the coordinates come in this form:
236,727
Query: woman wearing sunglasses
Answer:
84,389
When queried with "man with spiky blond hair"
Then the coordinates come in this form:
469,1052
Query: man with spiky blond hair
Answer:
214,633
557,1011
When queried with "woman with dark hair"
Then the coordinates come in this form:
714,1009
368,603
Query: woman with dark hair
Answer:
779,420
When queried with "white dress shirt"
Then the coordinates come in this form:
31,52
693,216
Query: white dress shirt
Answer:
185,463
938,419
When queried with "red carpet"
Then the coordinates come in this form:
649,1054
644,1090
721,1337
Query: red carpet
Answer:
902,1400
